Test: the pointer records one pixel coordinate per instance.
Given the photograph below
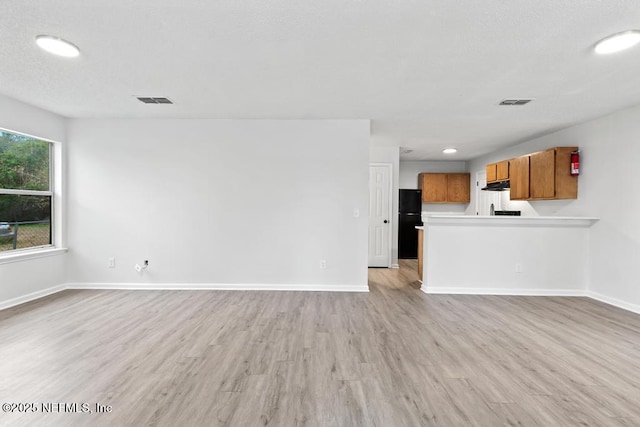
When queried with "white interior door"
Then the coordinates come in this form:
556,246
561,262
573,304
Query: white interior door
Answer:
484,199
379,215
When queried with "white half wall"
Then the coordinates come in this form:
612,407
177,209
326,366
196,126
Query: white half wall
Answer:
514,256
33,276
608,189
247,202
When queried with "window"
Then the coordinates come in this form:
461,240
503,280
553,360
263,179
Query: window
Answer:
26,196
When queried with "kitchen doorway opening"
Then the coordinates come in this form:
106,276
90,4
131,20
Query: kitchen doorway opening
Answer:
404,277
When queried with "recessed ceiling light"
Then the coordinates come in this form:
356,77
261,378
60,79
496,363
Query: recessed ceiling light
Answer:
450,150
57,46
618,42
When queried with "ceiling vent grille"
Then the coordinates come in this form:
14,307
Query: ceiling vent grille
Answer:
515,101
154,100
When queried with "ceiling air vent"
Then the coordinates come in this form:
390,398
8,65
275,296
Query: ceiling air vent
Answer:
515,101
154,100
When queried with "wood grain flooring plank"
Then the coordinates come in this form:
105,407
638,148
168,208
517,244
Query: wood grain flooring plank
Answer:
392,357
512,414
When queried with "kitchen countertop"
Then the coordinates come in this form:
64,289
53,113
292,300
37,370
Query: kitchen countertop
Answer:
517,221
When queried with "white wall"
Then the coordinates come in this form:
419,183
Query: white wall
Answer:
381,154
25,280
219,201
18,279
608,189
24,118
409,171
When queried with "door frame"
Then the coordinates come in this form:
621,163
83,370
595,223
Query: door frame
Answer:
495,198
478,173
392,221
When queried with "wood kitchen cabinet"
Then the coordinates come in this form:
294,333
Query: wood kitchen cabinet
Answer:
542,175
519,177
458,187
434,187
445,187
498,171
502,170
545,175
492,172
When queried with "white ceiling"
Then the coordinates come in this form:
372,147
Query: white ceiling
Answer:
429,74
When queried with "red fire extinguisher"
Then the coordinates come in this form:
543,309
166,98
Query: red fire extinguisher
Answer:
575,162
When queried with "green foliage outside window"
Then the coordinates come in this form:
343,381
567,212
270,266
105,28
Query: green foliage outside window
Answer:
24,165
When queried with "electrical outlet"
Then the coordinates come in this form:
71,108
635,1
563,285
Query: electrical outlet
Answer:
518,268
356,212
323,264
111,263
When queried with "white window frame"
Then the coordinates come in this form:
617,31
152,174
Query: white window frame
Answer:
55,192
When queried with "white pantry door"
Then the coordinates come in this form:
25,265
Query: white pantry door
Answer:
379,215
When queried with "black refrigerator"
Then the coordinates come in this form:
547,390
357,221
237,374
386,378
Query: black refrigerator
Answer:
410,215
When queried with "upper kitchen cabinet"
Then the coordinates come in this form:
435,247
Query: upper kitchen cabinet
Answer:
545,175
434,187
445,187
502,170
519,178
542,170
492,172
498,171
458,187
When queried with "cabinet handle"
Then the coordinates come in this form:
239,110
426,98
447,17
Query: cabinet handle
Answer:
385,221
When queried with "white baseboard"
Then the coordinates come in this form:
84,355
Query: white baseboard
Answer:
635,308
31,297
615,302
395,266
315,288
505,291
183,287
220,287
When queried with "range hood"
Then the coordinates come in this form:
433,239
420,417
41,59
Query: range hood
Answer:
497,186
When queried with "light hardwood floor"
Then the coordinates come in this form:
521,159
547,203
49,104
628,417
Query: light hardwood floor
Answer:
396,278
392,357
